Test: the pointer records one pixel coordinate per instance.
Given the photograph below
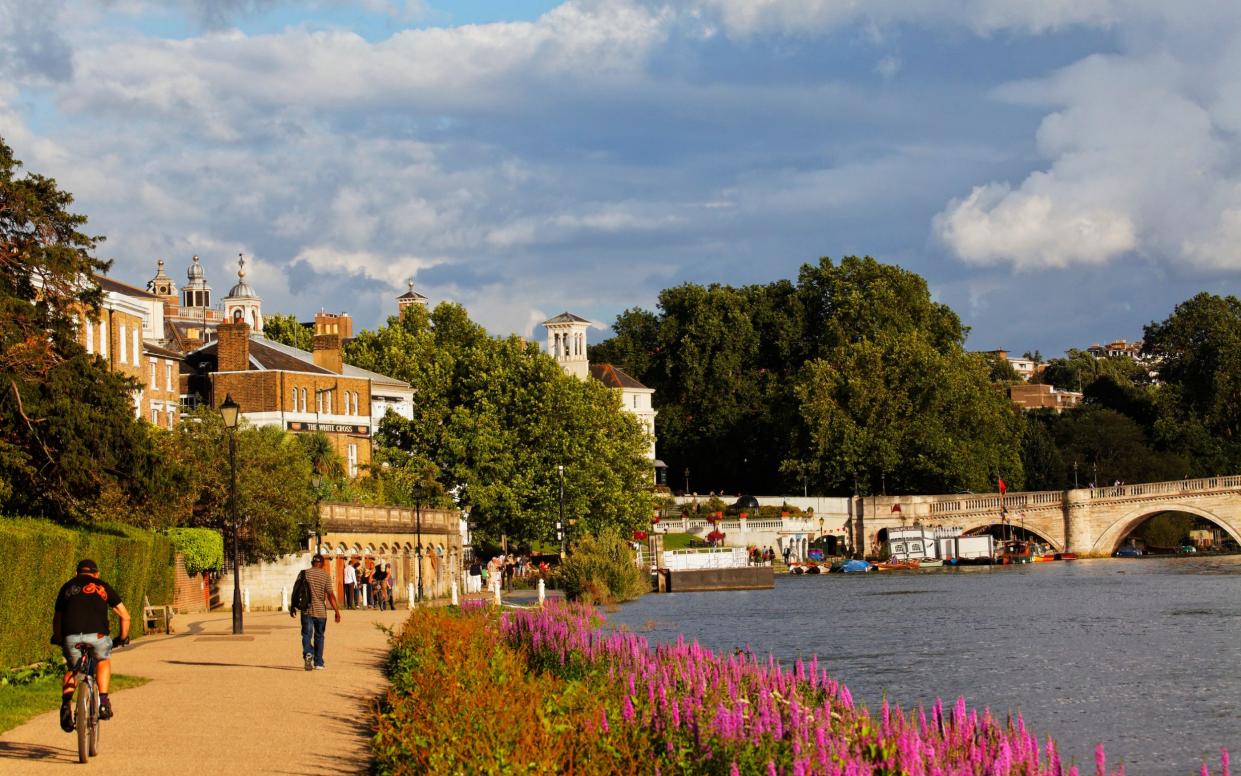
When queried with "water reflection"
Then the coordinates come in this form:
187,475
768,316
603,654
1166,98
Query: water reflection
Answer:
1143,655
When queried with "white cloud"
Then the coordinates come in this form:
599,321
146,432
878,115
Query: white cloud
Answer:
1139,161
395,271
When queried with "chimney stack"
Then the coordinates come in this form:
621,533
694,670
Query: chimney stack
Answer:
233,351
331,323
327,352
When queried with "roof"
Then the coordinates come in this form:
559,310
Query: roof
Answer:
156,349
117,287
614,377
566,317
269,353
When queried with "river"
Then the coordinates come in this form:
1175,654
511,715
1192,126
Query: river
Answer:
1142,655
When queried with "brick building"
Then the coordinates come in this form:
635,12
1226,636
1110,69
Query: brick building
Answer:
1037,396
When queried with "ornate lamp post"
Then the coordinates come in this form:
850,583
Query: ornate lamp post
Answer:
561,525
418,547
230,411
315,482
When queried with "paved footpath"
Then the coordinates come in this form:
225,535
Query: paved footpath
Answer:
218,703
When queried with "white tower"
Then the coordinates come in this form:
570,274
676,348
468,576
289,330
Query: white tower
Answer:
566,342
242,304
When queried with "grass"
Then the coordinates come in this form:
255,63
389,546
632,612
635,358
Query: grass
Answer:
677,541
24,702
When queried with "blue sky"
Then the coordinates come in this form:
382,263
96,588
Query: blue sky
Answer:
1061,173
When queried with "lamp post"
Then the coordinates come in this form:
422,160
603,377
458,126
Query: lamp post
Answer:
418,547
230,411
687,480
315,482
1074,475
561,525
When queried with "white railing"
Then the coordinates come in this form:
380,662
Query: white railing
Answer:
709,558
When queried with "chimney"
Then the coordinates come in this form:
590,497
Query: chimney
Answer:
331,323
233,351
327,352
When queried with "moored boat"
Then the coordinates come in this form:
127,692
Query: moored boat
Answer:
931,563
897,564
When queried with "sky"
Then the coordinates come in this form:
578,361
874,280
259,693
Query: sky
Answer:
1062,172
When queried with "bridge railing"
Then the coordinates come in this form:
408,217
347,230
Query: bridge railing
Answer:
1166,488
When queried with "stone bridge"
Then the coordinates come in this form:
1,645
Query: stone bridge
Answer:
1088,521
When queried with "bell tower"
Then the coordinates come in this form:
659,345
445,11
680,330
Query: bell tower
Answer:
243,305
566,342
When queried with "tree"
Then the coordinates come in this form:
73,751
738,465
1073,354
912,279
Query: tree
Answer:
496,418
999,370
288,330
1040,458
1115,447
1197,350
70,447
274,492
897,411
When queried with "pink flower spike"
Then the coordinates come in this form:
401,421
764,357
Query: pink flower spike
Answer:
1100,761
732,771
1224,762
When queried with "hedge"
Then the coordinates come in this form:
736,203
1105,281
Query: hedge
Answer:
40,556
202,548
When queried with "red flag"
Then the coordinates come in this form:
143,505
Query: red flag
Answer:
1003,487
896,507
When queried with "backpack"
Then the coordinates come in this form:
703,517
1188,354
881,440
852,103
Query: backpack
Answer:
301,594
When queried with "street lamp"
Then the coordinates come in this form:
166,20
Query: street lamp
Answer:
561,525
687,480
230,411
418,547
315,482
1074,475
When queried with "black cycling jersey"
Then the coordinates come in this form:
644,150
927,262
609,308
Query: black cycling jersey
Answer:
83,603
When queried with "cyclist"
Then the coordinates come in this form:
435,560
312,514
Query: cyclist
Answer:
81,617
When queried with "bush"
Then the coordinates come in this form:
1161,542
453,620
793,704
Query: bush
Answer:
462,701
202,548
42,556
602,569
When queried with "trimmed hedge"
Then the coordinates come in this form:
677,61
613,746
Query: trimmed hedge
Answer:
40,556
202,548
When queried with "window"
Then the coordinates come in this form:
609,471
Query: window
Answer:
172,418
329,402
353,460
154,376
304,405
168,376
90,337
124,339
318,401
154,416
137,348
103,338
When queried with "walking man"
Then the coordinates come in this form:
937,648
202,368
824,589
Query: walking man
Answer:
81,617
351,583
314,621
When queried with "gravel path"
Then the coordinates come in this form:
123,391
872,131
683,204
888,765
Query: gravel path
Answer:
220,703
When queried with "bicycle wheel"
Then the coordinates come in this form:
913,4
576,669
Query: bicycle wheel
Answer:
95,727
81,720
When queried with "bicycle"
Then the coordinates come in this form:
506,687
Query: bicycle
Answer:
86,703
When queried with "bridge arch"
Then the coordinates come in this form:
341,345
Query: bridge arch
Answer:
1035,530
1108,542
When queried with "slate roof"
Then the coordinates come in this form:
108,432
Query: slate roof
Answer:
566,317
156,349
614,376
117,287
268,355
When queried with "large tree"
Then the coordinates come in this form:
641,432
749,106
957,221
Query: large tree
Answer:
1197,352
494,421
70,447
736,369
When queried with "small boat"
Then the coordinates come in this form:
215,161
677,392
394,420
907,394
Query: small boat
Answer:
813,569
897,565
1016,552
1129,552
1066,556
853,567
931,563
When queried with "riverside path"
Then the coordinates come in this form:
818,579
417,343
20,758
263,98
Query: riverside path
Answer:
218,703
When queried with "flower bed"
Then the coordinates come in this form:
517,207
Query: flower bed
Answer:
549,691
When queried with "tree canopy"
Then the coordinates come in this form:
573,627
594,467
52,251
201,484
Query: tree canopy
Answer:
812,384
494,420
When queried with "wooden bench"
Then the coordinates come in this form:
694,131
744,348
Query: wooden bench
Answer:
157,618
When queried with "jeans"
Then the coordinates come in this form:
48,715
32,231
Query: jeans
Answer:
313,627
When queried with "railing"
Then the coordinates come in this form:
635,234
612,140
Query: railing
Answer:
383,518
710,558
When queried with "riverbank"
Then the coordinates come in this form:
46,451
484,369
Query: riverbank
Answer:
581,699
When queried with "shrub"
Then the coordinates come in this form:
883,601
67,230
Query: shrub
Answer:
603,569
202,548
41,556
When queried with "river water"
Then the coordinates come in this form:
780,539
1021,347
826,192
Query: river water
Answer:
1142,655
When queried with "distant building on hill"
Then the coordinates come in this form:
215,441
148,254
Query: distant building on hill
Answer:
1037,396
1117,348
1026,368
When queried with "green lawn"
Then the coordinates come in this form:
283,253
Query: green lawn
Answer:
20,703
677,541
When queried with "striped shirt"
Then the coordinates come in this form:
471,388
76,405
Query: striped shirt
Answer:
320,582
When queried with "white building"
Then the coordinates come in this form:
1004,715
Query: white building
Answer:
566,342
